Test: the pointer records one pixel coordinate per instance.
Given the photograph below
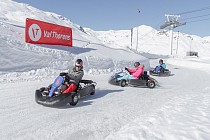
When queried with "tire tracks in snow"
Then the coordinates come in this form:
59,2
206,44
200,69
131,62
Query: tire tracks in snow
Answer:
183,117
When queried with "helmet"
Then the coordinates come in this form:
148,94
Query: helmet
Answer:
161,61
136,64
79,63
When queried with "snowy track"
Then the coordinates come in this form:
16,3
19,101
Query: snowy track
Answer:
176,110
183,117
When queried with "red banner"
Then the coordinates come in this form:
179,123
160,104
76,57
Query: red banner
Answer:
39,32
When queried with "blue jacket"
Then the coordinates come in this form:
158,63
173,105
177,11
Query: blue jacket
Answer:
163,65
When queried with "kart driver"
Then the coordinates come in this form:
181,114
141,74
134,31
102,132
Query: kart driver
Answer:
75,76
134,73
160,67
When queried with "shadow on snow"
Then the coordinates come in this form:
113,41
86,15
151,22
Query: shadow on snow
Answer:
88,100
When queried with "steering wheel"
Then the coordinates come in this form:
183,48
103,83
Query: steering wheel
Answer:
126,71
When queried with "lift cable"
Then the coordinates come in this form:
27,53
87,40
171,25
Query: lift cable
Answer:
195,17
198,20
192,11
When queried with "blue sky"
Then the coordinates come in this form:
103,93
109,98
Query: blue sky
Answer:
103,15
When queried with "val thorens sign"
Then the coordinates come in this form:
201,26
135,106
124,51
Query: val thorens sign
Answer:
39,32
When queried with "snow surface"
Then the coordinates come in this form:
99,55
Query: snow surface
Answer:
177,109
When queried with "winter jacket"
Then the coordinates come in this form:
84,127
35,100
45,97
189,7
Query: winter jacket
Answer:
163,65
137,72
75,76
160,67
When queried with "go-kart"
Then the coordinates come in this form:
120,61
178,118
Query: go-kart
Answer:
143,81
53,96
161,72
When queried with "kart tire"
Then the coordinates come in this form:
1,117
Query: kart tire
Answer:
151,84
92,93
75,99
122,83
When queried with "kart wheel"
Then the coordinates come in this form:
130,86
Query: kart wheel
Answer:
75,99
92,93
122,83
151,84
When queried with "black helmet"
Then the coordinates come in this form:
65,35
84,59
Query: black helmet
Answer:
79,63
161,61
136,64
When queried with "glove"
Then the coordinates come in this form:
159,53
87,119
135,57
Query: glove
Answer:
67,78
126,68
63,74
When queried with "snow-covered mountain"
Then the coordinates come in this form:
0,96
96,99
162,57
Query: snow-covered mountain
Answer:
155,42
85,46
109,49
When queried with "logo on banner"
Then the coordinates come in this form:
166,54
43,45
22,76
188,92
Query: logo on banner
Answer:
35,32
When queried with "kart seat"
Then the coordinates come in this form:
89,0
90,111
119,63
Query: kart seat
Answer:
162,70
144,76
